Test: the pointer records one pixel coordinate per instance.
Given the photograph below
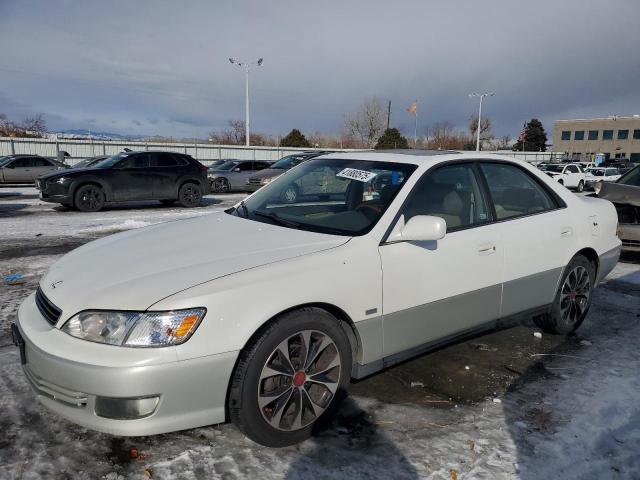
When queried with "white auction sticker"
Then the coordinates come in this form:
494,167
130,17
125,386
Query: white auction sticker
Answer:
355,174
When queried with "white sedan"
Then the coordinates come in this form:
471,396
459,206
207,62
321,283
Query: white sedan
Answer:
382,257
570,175
601,174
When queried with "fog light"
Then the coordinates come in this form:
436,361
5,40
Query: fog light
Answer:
125,408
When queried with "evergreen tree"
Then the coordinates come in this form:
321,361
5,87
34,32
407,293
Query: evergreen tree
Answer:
295,138
535,138
391,138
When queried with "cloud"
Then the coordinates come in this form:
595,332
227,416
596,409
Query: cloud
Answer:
167,65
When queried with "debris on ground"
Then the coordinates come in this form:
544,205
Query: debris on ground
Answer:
417,384
585,343
14,279
537,334
497,400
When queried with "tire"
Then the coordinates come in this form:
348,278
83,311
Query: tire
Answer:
290,194
290,416
573,298
190,195
580,186
89,198
220,185
167,202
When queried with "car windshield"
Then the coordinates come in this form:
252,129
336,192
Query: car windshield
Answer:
290,161
228,165
340,197
553,168
597,172
109,161
632,177
4,160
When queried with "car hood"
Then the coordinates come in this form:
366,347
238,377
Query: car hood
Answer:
269,173
620,193
135,269
69,173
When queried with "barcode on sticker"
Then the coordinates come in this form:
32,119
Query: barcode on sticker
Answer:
355,174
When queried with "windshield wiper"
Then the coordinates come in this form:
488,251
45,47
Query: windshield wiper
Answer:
278,219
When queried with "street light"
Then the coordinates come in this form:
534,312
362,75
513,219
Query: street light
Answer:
481,95
246,65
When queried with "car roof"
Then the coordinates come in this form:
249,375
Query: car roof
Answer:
416,157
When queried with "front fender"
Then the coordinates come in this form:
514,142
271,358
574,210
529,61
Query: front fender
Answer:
76,183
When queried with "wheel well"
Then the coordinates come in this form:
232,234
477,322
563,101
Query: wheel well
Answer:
347,325
592,256
88,182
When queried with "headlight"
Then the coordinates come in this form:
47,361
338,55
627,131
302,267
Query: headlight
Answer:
135,329
62,180
266,180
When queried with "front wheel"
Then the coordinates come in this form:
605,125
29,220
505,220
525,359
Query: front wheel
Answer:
573,298
190,195
89,198
580,186
290,378
220,185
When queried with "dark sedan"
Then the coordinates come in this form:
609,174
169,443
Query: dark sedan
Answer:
164,176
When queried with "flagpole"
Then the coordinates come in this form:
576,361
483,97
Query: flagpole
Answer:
415,129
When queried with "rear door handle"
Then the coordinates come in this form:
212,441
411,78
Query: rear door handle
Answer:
566,232
486,248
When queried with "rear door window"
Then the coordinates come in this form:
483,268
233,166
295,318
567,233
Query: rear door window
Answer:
140,160
163,160
514,192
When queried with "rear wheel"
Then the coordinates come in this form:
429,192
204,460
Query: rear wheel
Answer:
290,378
190,195
89,198
573,298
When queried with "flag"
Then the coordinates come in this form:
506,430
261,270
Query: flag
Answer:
523,134
413,108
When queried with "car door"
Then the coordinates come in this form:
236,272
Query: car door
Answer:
132,178
537,233
41,166
433,290
19,170
572,176
239,175
166,169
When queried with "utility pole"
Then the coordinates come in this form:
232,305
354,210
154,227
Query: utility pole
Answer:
246,66
388,115
481,96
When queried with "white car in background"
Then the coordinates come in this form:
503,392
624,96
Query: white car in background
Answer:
601,174
570,175
263,313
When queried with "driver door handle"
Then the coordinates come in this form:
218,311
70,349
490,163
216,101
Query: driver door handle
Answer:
486,248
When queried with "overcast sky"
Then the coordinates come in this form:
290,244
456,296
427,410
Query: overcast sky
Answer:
160,67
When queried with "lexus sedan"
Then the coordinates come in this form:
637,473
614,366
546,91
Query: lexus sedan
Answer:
164,176
26,168
262,314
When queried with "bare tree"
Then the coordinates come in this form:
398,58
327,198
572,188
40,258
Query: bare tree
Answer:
485,128
444,136
34,125
368,123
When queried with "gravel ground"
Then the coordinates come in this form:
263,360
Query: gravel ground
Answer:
504,405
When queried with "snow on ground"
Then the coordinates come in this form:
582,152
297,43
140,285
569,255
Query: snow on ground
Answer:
504,405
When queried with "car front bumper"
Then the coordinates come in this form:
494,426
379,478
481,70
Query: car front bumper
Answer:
190,393
53,192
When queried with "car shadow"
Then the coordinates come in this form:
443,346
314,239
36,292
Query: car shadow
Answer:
351,446
13,209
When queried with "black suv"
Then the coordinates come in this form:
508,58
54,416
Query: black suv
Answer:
164,176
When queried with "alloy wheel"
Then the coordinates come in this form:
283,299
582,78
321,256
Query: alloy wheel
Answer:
191,195
574,295
221,185
299,380
90,199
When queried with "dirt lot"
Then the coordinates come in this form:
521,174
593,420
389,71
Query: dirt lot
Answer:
504,405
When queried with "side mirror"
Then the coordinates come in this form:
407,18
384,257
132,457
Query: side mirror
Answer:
423,228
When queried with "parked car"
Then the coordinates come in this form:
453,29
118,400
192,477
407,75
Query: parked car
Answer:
26,168
570,175
233,174
258,180
216,163
600,174
261,314
164,176
625,195
89,162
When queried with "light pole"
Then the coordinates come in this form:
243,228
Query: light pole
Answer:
246,65
481,95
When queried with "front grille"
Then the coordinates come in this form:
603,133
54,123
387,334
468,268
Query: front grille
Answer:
48,310
55,392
